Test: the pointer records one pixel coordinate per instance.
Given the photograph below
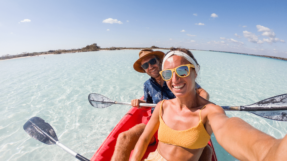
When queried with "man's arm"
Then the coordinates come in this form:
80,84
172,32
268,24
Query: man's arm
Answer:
202,93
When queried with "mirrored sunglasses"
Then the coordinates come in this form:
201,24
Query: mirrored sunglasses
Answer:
151,62
181,71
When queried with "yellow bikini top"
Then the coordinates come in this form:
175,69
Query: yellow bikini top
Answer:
193,138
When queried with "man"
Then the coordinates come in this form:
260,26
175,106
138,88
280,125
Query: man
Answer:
155,90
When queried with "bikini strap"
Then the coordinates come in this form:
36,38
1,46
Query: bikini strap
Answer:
200,112
161,108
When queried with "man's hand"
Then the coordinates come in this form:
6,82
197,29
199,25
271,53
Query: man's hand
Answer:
136,102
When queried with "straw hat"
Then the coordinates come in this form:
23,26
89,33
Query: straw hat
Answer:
144,53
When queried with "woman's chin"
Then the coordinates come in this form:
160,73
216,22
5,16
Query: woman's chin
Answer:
179,92
183,92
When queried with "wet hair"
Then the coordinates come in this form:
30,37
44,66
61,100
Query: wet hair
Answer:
185,51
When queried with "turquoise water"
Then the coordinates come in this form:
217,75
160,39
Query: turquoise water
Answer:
56,88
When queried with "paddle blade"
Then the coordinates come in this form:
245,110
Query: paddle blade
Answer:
272,115
100,101
35,127
274,103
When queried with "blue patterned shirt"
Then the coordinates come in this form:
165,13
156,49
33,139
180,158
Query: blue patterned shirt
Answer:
153,92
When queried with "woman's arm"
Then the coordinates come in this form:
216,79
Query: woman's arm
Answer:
148,133
243,141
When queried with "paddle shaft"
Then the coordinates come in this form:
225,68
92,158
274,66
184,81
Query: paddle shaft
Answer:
273,108
226,108
243,108
78,156
273,103
141,104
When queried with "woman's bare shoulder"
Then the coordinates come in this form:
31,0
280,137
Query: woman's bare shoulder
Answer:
163,103
211,108
167,103
169,100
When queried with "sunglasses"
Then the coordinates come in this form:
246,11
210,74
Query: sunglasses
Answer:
181,71
151,62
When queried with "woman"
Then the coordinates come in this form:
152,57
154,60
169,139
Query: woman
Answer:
186,122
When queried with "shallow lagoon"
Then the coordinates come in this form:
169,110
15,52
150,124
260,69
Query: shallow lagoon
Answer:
56,87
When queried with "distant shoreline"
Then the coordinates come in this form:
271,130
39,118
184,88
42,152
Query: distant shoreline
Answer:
94,47
266,56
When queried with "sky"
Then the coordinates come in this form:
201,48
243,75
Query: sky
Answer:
246,26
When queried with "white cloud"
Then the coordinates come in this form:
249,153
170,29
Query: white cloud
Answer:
190,35
217,43
235,41
112,21
25,20
250,36
262,28
214,15
170,39
268,33
226,41
182,31
195,14
273,40
200,24
237,35
192,40
244,26
128,21
267,40
108,29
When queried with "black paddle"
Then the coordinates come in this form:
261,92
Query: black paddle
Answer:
38,129
270,108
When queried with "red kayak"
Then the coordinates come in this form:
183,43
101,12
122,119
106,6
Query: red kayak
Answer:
133,117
